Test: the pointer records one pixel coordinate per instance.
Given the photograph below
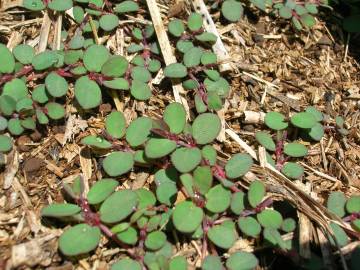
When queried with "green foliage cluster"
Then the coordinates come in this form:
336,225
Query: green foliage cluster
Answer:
105,12
301,13
90,68
197,67
214,209
349,210
309,123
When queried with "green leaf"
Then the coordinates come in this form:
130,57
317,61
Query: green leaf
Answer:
34,5
115,124
249,226
159,147
356,224
212,75
117,83
155,240
270,219
6,59
288,225
166,193
115,66
176,27
126,264
79,239
3,123
351,23
340,235
138,131
60,5
25,105
175,117
95,57
206,37
307,20
96,141
76,42
78,13
28,123
60,210
5,143
195,21
203,179
256,193
24,53
285,12
16,89
140,90
184,45
316,132
232,10
209,154
218,199
126,6
208,58
154,65
214,101
7,105
109,210
237,202
39,94
44,60
274,237
14,126
303,120
169,174
101,190
41,117
133,48
141,74
192,57
129,236
118,163
146,198
187,217
295,150
275,120
353,204
212,262
56,85
187,181
241,260
178,263
318,115
186,159
221,86
222,236
55,111
109,22
238,165
292,170
87,93
206,128
175,70
199,104
336,203
265,140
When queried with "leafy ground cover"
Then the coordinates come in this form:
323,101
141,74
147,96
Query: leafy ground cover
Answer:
102,169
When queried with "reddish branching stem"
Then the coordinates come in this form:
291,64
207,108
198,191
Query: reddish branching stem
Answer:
182,141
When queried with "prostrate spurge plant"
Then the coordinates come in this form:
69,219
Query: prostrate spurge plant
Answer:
301,13
215,210
90,68
197,67
308,123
